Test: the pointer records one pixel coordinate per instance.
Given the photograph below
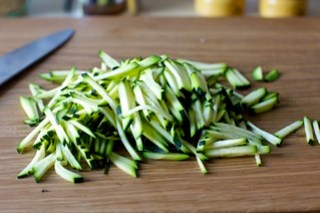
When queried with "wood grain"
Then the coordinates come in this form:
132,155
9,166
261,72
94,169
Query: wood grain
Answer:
290,178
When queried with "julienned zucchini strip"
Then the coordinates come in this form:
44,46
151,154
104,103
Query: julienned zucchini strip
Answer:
232,151
155,108
267,136
289,129
41,167
40,154
316,129
273,75
67,174
236,79
257,74
254,97
308,130
165,156
27,141
29,105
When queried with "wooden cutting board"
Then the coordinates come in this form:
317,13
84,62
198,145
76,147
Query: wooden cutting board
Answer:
290,177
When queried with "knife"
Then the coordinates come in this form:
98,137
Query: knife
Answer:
20,59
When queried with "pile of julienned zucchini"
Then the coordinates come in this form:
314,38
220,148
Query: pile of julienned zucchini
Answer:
143,108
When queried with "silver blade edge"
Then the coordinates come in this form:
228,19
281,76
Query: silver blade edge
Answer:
20,59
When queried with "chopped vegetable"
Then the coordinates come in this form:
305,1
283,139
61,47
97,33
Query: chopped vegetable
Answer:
236,79
232,151
155,108
253,97
27,141
124,164
267,136
66,174
308,130
289,129
165,156
316,129
30,107
41,167
227,143
257,74
264,106
270,95
40,154
273,75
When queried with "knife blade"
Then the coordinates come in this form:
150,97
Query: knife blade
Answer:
20,59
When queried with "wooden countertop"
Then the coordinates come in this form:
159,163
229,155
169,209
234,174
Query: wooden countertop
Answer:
290,178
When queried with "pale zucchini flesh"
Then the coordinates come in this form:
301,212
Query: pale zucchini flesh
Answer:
66,174
316,129
257,74
289,129
308,130
253,97
165,156
264,106
232,151
273,75
41,167
267,136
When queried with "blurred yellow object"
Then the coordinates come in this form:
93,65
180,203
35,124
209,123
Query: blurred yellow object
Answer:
283,8
134,6
12,7
219,8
